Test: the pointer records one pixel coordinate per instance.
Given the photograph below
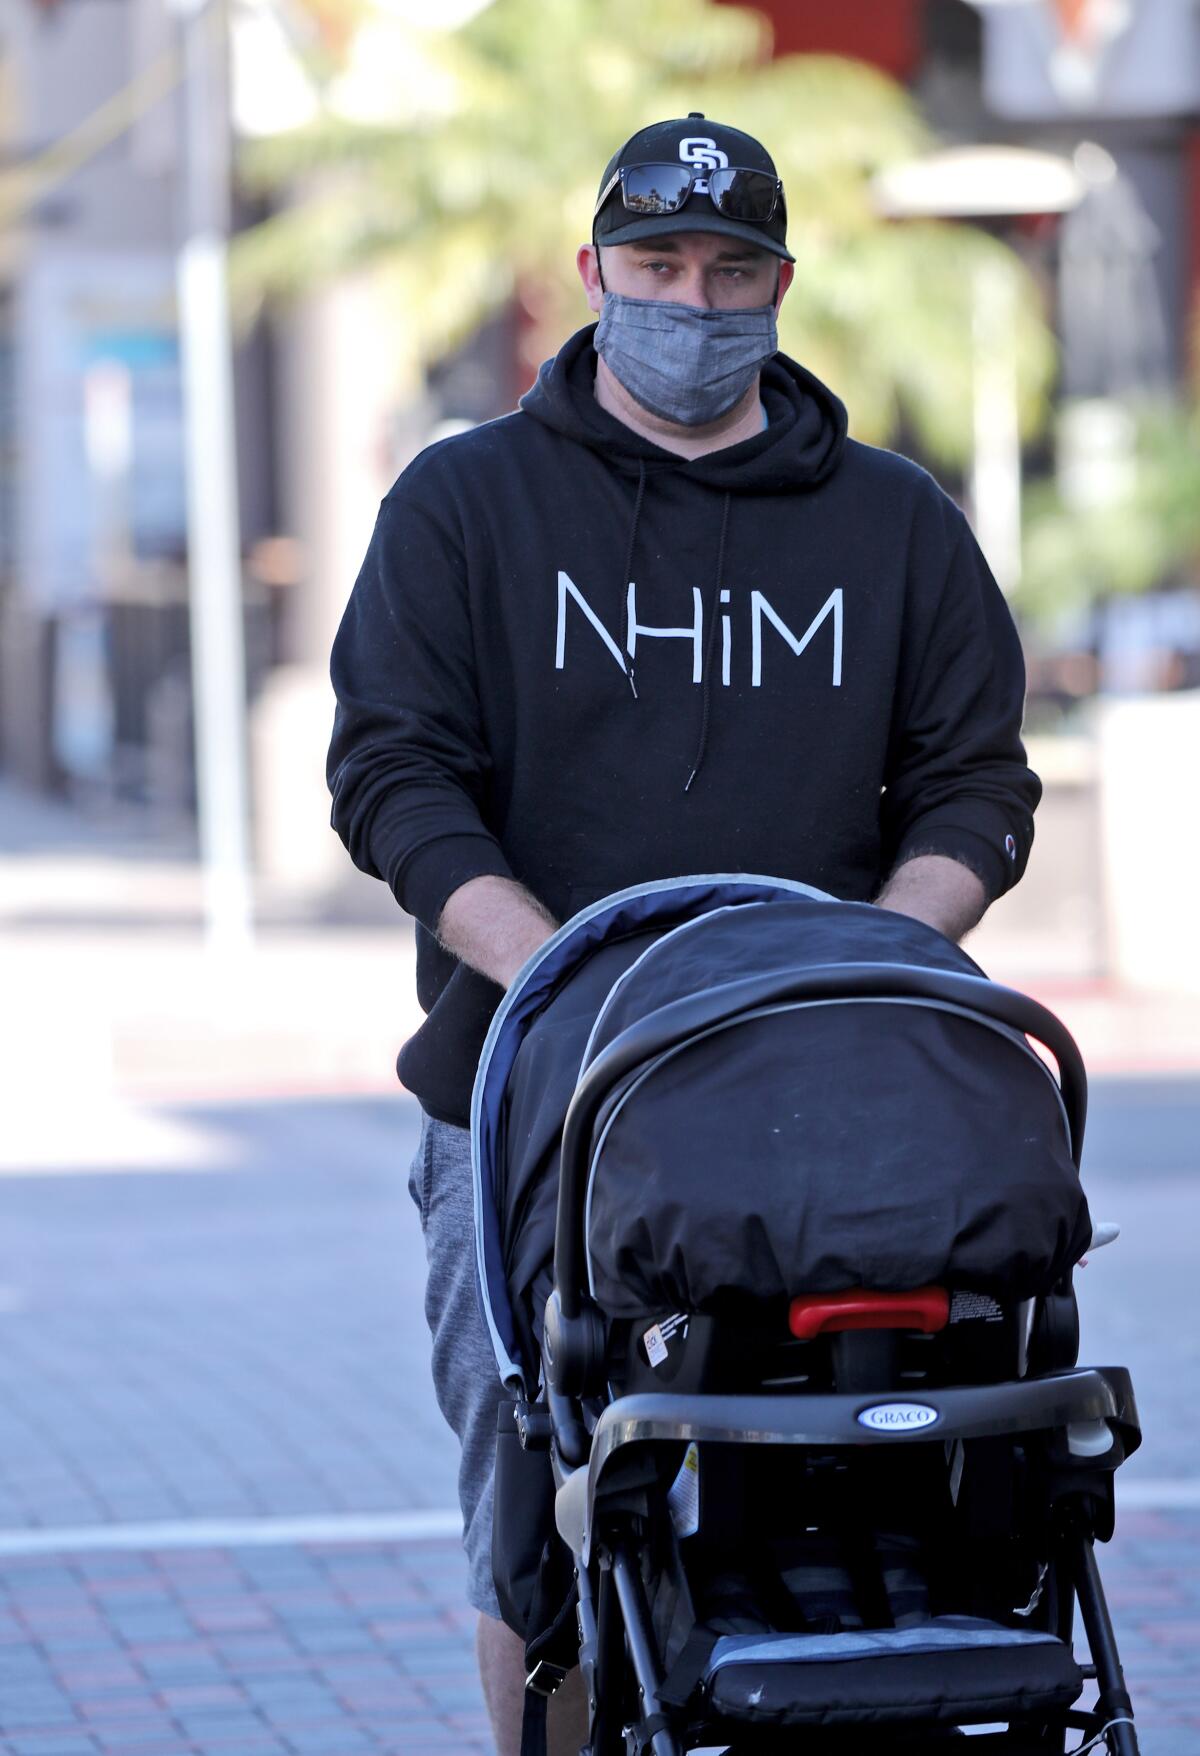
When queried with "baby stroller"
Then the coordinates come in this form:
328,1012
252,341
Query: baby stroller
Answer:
776,1216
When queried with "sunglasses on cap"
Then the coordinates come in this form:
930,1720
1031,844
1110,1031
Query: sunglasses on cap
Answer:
663,188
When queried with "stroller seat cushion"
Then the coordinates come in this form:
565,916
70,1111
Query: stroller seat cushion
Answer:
954,1670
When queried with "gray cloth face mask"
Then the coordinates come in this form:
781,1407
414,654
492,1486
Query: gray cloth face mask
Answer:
684,363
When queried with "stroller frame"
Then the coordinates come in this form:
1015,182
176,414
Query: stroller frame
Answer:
619,1655
605,1551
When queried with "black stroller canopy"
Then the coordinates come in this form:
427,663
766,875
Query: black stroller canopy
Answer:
879,1140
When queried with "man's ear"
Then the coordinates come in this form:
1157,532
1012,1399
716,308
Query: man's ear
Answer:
587,261
787,272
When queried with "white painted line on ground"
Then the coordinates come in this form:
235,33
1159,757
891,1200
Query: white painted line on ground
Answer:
1149,1495
235,1533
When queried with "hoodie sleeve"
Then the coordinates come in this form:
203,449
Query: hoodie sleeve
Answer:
407,767
957,780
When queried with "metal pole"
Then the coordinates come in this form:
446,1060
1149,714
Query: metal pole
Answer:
996,467
1114,1708
643,1652
214,555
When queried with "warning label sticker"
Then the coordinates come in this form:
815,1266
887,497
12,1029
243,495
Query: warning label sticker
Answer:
683,1496
974,1307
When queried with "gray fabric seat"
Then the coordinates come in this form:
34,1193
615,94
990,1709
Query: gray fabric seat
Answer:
952,1670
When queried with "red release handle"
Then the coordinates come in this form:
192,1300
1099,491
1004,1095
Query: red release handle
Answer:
924,1308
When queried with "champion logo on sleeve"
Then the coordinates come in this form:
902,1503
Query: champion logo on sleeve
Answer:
1010,847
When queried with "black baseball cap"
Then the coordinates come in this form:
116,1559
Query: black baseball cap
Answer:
698,143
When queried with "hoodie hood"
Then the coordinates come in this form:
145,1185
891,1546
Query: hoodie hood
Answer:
801,447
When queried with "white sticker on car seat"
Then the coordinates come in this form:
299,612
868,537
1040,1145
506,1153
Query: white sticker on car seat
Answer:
973,1307
655,1346
683,1496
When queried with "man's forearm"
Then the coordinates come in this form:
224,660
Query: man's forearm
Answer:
937,890
494,924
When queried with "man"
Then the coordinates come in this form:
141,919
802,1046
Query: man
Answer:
665,619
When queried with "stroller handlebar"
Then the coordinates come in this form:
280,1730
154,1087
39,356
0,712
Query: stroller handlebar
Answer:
672,1025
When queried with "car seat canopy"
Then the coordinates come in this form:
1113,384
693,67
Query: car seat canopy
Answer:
829,1146
863,1138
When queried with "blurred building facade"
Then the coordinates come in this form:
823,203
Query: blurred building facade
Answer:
94,689
93,588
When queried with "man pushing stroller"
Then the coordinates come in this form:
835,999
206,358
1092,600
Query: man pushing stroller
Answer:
665,619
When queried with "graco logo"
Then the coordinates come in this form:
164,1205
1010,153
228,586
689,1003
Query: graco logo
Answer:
898,1417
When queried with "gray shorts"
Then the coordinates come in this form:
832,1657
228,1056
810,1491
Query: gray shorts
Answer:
466,1380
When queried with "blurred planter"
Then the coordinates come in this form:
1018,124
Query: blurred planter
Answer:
302,867
1149,754
295,848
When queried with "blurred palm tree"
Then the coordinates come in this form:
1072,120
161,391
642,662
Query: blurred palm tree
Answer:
462,165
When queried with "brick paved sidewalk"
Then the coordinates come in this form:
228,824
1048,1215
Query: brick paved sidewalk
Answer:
272,1651
333,1650
1151,1573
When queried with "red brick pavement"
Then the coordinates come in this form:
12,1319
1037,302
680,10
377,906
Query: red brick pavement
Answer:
1151,1573
315,1651
335,1650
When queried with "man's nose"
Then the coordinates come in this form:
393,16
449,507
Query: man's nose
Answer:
695,287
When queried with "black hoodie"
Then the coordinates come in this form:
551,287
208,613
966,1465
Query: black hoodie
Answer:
578,660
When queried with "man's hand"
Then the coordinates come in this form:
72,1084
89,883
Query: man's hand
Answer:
494,924
937,890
